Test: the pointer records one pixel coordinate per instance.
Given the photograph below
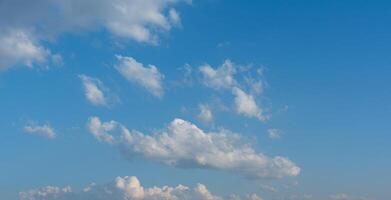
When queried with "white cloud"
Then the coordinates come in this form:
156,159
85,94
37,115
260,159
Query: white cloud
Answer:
184,145
48,192
99,129
43,20
95,91
19,48
245,104
127,188
148,77
44,130
205,114
223,77
220,78
274,133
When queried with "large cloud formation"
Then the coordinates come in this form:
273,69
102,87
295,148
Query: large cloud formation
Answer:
25,24
127,188
184,145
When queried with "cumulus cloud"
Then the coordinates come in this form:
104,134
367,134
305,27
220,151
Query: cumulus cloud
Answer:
274,133
206,114
100,130
183,145
20,48
44,130
245,104
148,77
232,77
127,188
95,91
43,20
219,78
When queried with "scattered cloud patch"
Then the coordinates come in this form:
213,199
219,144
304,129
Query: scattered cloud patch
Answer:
44,130
256,83
19,48
274,133
245,105
96,92
128,188
238,80
183,145
148,77
206,114
48,192
219,78
100,130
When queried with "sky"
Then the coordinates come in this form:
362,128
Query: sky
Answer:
195,100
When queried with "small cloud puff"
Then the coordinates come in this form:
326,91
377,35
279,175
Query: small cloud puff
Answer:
44,130
148,77
96,92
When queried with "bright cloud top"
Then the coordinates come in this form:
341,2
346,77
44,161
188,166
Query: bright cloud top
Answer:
95,91
148,77
182,144
44,130
128,188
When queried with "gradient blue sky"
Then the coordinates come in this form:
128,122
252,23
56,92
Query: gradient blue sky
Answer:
327,71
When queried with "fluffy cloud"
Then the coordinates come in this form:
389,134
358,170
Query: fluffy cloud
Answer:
44,130
20,48
182,144
100,130
274,133
95,91
148,77
223,77
43,20
245,104
219,78
205,114
127,188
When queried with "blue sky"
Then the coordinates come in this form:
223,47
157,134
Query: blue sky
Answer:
295,91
